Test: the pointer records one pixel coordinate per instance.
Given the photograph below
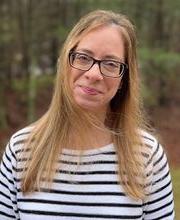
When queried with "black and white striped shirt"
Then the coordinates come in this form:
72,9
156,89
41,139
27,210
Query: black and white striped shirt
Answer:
84,190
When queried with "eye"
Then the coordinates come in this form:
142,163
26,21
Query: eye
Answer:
111,64
82,58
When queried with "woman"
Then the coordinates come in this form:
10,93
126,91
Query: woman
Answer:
89,156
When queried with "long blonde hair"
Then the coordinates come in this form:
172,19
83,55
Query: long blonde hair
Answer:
51,132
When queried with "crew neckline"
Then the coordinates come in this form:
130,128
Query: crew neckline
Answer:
105,148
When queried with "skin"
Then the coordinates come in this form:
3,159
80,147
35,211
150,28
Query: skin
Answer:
91,90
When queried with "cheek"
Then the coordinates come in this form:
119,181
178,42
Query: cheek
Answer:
74,75
113,86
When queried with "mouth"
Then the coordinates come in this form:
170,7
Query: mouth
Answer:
90,90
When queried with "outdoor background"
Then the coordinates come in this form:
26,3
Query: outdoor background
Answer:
31,35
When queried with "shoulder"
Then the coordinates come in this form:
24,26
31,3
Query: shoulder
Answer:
153,149
156,162
159,201
13,150
149,141
22,133
148,138
18,139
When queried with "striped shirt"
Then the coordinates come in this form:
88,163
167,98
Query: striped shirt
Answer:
85,189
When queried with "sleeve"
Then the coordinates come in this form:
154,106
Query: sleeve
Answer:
159,203
8,190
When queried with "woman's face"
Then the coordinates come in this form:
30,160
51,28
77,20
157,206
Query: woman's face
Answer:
91,90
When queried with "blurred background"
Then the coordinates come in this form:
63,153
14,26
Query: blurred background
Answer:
31,35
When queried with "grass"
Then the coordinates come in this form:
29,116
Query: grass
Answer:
176,187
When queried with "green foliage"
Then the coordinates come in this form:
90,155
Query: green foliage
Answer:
31,98
44,81
62,32
176,188
149,96
165,61
3,122
28,89
21,85
160,72
32,33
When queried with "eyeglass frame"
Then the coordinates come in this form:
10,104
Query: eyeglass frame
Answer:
125,66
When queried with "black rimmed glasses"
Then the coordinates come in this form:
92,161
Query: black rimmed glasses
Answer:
108,68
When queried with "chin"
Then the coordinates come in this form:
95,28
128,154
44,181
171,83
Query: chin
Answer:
87,107
90,105
92,108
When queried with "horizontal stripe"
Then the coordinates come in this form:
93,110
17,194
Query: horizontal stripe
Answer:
159,208
86,187
6,215
83,215
104,204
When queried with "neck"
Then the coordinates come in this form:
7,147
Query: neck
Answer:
92,136
100,115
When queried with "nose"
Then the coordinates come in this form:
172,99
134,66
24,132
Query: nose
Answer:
94,73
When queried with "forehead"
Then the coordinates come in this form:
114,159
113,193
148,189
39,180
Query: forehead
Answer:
103,40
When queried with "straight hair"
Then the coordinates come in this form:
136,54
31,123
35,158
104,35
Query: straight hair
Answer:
125,118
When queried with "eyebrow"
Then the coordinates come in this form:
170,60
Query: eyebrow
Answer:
109,56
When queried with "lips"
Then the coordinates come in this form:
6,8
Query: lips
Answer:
89,90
